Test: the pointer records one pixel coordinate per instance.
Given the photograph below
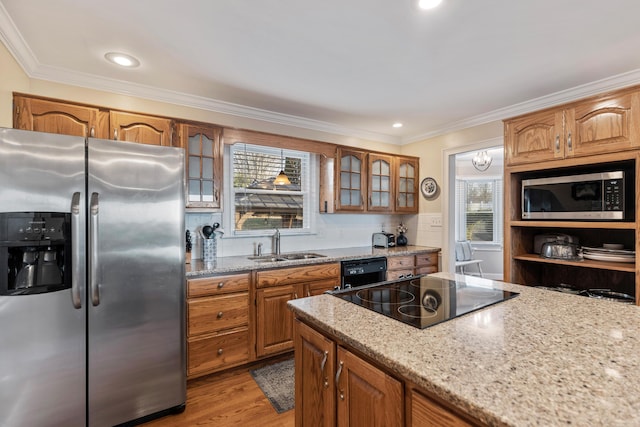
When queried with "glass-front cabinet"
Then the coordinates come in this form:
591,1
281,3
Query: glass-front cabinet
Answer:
406,185
202,144
351,180
380,183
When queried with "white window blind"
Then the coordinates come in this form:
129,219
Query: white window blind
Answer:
259,204
479,207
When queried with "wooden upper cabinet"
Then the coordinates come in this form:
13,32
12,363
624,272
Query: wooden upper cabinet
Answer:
406,185
351,180
380,183
534,138
369,182
603,125
597,125
43,115
203,146
141,128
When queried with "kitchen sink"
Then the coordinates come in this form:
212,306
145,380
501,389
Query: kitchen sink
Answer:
285,257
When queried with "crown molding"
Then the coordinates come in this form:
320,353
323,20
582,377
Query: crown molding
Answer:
15,43
565,96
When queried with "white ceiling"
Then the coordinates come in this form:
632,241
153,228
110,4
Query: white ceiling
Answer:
351,67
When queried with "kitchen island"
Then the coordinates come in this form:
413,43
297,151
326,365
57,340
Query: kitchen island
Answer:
543,358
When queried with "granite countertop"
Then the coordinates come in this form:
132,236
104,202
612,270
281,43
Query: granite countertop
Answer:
543,358
234,264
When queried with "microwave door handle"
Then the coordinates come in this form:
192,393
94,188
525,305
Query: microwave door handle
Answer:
75,251
93,250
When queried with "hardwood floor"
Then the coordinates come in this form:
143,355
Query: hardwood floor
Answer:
228,399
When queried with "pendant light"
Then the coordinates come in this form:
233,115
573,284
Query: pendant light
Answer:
282,178
481,161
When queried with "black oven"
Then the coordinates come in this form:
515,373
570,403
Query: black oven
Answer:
358,272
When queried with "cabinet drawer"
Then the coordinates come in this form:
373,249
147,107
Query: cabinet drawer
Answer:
427,269
398,262
296,275
217,285
399,274
217,352
427,259
217,313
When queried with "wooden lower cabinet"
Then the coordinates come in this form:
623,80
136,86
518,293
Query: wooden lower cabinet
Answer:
314,381
399,267
217,323
366,395
427,263
424,412
219,351
274,320
336,387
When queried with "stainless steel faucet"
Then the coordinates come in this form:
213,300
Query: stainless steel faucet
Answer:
276,242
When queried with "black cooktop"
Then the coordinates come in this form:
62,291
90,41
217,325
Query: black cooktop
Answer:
425,301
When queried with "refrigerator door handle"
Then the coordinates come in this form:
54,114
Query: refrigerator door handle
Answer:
75,251
93,250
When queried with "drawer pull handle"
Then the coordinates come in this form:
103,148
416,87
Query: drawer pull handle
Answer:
220,285
219,315
219,351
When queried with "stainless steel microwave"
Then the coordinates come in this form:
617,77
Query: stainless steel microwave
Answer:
591,196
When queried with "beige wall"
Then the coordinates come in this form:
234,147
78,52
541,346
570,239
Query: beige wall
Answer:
12,78
431,150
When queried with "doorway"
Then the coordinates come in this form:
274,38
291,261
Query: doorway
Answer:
474,206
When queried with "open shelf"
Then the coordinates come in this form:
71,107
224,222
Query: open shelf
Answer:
601,265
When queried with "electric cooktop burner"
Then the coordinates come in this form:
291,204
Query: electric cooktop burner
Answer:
424,301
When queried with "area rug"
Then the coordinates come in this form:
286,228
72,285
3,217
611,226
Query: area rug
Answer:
277,383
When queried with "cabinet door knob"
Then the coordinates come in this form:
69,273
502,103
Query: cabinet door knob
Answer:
220,285
219,315
115,134
557,143
219,351
569,143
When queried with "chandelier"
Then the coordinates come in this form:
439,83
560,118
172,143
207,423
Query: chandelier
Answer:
481,161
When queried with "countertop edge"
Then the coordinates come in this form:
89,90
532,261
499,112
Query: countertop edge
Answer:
237,264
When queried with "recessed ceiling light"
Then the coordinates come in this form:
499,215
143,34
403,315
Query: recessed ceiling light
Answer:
428,4
397,125
122,59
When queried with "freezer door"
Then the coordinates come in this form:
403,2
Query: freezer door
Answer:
42,337
136,290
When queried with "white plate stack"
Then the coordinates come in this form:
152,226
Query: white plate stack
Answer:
609,252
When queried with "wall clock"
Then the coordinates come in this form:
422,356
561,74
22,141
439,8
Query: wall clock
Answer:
429,188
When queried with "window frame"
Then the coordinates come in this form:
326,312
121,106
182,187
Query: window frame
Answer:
308,193
461,190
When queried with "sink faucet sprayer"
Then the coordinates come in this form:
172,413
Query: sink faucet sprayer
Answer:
276,242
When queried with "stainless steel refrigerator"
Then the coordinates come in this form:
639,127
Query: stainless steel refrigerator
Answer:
92,300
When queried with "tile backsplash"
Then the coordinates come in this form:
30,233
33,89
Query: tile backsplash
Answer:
331,231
